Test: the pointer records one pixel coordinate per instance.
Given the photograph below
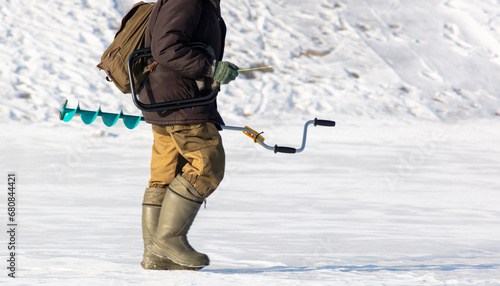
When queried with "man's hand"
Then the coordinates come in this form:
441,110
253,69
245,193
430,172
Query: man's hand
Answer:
225,72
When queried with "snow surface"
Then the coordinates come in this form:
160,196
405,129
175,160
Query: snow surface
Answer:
403,191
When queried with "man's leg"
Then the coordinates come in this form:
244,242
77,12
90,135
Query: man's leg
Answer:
164,168
201,146
164,158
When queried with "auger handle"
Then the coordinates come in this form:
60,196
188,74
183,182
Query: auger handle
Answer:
162,106
287,150
321,122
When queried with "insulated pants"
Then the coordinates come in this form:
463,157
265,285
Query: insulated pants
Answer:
194,151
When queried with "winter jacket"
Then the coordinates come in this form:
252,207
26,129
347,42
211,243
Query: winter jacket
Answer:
172,27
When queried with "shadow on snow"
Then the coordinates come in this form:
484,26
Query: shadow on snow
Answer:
356,268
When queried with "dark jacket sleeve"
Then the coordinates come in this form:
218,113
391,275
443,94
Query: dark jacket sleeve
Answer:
171,36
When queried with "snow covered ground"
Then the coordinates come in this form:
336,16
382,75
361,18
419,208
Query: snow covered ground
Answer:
403,191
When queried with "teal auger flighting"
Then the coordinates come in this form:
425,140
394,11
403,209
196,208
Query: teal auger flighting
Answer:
109,119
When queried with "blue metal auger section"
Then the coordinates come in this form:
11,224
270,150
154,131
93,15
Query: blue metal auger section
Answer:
88,116
109,119
131,122
67,114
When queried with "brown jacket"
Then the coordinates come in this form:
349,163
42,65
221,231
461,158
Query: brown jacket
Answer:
173,25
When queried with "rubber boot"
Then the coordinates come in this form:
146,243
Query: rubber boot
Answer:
169,248
151,207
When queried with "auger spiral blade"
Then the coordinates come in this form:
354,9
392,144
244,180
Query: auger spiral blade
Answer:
109,119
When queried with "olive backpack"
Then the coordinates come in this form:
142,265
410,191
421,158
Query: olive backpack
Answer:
130,37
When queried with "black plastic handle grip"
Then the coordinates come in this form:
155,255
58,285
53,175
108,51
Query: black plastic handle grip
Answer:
287,150
324,122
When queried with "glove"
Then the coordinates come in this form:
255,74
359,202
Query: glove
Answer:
225,72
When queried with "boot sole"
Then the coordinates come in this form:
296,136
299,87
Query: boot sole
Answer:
161,253
153,261
164,263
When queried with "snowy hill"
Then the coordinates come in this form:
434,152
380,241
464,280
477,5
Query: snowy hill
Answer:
404,191
349,58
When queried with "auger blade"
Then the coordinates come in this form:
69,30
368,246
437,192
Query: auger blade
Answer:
88,117
66,114
110,119
131,122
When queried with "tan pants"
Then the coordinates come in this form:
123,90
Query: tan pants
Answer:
194,151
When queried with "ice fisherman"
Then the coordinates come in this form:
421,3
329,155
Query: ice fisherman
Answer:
187,40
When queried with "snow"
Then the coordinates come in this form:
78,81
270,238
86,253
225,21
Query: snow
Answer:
403,191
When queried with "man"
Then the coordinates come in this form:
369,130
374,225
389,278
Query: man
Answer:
188,158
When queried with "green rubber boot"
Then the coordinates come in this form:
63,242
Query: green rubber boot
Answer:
169,248
151,207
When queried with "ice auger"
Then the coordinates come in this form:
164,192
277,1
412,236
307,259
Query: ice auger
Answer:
132,121
87,116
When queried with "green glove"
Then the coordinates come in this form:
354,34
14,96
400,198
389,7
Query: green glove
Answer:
225,72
